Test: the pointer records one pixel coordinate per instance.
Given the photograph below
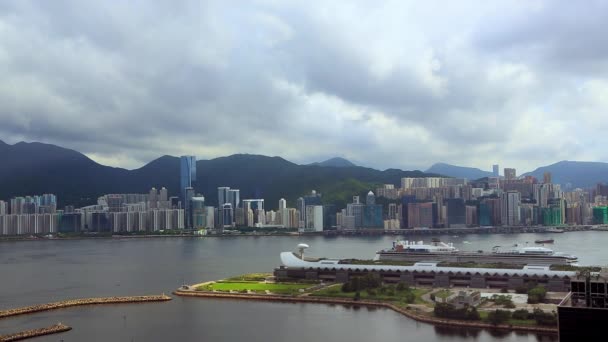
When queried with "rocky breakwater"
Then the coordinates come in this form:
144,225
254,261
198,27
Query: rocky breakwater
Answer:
83,301
53,329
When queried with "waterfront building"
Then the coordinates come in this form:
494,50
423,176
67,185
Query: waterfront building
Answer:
391,224
188,195
329,216
227,215
510,208
405,201
392,211
210,217
355,210
187,174
282,204
456,212
600,215
301,207
250,211
471,215
372,216
314,218
199,213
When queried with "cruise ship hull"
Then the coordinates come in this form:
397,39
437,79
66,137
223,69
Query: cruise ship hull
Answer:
485,257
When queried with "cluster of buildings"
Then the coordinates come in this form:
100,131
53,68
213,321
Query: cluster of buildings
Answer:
29,214
493,201
429,202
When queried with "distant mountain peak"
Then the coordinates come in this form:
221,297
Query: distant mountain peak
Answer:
335,162
458,171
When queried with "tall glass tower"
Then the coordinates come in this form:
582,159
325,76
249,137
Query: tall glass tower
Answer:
187,174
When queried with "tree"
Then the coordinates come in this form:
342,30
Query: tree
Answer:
402,286
537,295
499,316
521,314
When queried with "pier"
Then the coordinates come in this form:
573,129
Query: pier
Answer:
79,302
22,335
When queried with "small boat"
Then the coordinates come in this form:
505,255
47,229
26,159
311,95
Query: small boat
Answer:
544,241
554,230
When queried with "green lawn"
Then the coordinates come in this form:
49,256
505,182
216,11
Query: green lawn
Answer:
250,277
227,286
336,291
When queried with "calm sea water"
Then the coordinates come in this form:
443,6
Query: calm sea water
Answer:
33,272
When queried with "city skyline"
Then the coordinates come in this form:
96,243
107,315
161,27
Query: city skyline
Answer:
385,85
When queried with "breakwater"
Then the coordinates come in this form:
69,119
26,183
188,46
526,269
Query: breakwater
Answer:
22,335
82,301
349,302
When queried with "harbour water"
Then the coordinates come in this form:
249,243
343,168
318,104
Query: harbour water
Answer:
34,272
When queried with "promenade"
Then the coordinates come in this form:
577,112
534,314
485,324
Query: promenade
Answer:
409,311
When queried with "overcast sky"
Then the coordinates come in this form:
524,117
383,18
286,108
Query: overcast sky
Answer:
384,84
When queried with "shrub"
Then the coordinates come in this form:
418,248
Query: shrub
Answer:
346,287
544,318
499,316
521,314
432,296
409,297
371,292
357,296
445,310
521,289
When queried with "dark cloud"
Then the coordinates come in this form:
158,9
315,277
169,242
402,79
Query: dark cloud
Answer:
397,84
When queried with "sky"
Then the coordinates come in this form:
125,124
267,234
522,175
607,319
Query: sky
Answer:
385,84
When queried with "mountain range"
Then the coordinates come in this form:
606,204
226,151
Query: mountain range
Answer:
570,174
36,168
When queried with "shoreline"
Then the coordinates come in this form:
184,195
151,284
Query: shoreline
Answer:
328,233
22,335
368,303
80,302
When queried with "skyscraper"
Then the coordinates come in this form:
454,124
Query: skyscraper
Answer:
234,198
222,195
370,199
495,171
282,204
510,208
188,194
187,174
199,213
510,173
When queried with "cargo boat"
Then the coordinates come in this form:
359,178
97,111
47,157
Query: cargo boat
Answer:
440,251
